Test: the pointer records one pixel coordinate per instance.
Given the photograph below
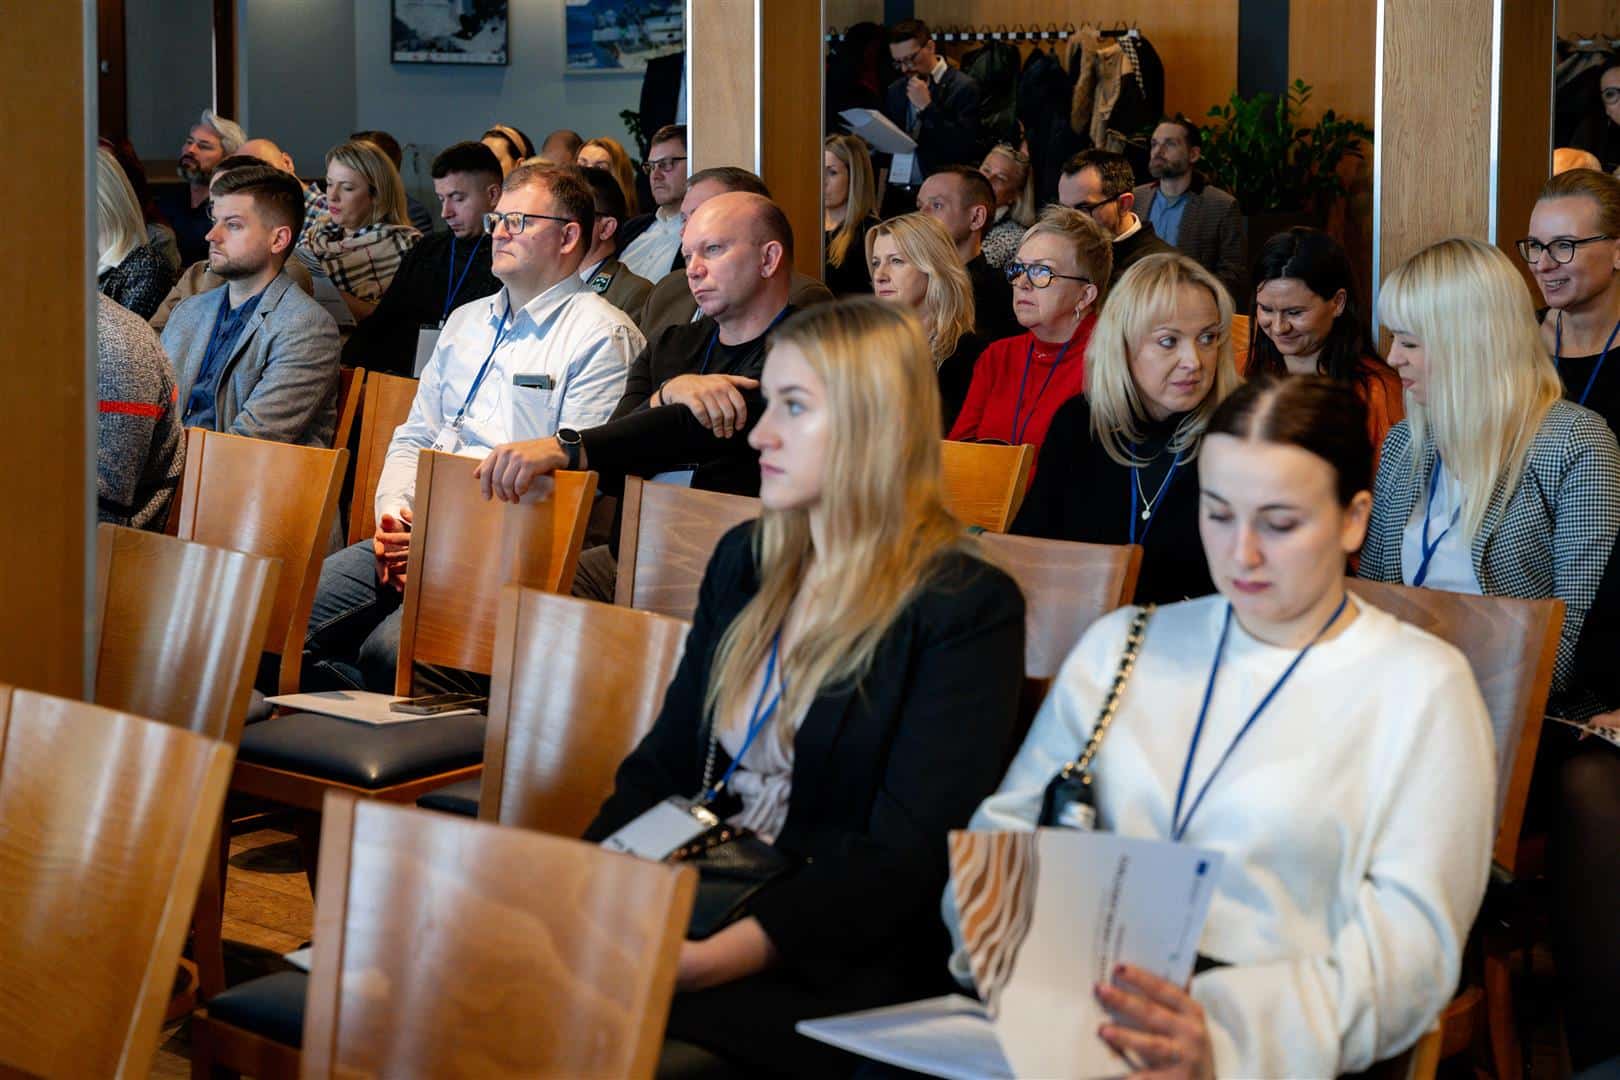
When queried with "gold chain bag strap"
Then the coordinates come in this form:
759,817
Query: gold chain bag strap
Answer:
1070,801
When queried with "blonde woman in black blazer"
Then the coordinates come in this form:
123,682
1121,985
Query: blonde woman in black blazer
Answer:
894,657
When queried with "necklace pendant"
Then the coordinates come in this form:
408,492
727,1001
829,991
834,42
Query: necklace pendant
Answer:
1146,514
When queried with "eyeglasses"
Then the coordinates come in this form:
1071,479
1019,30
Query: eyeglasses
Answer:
1562,250
663,164
1090,208
1611,94
1039,276
516,222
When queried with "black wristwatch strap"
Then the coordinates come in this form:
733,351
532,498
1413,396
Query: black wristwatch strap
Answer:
570,441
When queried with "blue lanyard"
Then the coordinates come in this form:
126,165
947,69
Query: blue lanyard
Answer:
708,350
1178,824
1425,545
478,380
1558,355
1018,407
457,282
761,716
1158,500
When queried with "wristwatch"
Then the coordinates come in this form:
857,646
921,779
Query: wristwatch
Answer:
572,444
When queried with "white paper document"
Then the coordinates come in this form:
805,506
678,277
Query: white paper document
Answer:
1607,734
299,958
362,706
879,130
1045,916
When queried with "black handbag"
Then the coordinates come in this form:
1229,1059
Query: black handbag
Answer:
1070,801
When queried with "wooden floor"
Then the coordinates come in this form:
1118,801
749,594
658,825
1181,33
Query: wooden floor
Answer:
268,912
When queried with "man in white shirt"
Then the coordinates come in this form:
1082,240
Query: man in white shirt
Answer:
544,352
652,242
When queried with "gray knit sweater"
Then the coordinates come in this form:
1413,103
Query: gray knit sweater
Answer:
140,448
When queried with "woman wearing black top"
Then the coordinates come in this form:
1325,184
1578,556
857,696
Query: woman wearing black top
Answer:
1116,467
849,201
854,630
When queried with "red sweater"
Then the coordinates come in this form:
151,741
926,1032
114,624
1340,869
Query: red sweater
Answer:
993,396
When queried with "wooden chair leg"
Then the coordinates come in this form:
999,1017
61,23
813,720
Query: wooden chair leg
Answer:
307,825
1499,1019
208,920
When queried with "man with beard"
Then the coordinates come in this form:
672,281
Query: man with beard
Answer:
1190,213
258,357
212,139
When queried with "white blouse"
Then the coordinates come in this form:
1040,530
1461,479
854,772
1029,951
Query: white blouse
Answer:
1452,566
1356,821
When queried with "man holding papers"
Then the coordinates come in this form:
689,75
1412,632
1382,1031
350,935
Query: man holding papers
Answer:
931,101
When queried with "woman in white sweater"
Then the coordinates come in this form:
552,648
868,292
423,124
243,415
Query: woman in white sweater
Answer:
1340,760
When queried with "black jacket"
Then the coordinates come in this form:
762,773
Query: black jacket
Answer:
1139,245
949,133
883,770
956,376
993,317
386,340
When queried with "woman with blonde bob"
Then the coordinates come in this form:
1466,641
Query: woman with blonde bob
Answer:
849,209
1118,463
130,270
1013,181
915,264
848,687
1493,484
366,230
609,155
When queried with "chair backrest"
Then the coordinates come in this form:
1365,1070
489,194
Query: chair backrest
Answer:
105,821
549,956
181,626
1241,329
351,384
1511,644
272,499
666,536
388,404
985,482
1067,587
464,548
576,686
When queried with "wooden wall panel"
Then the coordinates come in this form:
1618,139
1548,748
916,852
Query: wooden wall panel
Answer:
843,13
1332,45
44,362
1525,153
1588,17
720,94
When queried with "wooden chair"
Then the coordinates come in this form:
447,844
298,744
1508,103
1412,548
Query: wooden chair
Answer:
550,957
1511,646
666,536
388,404
351,383
181,627
106,823
1241,331
272,499
985,482
463,550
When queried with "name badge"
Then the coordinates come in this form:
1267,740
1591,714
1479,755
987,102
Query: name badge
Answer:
900,169
427,339
534,381
449,440
662,829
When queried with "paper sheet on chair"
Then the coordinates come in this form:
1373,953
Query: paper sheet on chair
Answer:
299,958
1045,916
1607,734
362,706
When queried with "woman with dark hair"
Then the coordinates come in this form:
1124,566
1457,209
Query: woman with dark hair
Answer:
1307,322
1340,760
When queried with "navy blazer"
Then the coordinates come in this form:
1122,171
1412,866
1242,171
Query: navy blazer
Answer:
950,126
882,771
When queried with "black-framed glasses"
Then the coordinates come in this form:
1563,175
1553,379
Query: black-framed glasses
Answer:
1611,94
516,221
1039,276
1562,250
663,164
1090,208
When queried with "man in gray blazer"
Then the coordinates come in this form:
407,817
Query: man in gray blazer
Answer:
1188,212
258,357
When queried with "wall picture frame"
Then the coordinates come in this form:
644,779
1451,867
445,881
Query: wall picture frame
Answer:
449,32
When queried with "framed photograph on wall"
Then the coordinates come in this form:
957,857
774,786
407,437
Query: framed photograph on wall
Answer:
611,36
449,31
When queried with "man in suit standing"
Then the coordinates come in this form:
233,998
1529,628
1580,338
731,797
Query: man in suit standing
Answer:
258,357
932,102
601,271
1188,212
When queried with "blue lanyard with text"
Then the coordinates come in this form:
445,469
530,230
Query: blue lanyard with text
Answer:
1558,355
1018,407
761,716
708,350
457,282
1428,549
1158,499
1178,824
506,322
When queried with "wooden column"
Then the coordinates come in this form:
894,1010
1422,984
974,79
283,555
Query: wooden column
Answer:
1464,121
46,53
754,73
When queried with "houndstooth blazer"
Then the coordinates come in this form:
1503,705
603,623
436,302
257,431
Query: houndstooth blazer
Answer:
1550,538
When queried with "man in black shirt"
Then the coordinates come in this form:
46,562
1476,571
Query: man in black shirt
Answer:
962,200
438,275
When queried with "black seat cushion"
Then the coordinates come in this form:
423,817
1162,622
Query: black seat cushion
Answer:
364,755
457,798
272,1006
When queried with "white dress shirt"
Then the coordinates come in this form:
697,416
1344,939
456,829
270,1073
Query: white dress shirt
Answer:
1452,565
1356,821
652,254
580,341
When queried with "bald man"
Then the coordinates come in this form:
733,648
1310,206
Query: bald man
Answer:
269,153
